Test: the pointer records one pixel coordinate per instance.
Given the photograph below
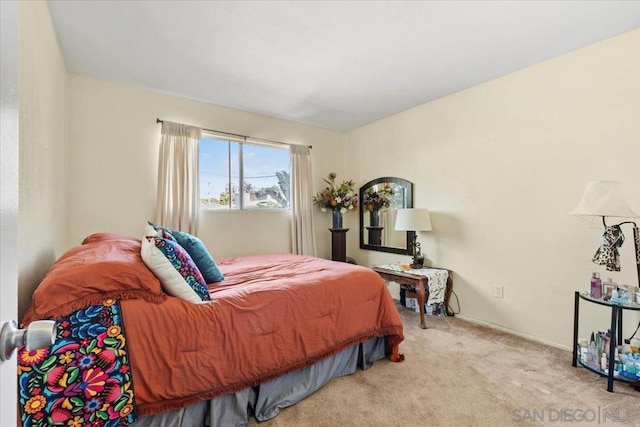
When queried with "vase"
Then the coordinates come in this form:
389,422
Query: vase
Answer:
374,218
337,219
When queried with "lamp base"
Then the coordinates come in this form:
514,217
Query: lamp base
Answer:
417,261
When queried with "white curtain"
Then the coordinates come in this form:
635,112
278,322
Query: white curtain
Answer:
178,203
303,237
388,221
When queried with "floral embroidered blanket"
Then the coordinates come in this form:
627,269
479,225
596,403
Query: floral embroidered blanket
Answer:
84,379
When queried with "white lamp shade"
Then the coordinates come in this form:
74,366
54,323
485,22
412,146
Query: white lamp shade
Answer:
413,220
603,198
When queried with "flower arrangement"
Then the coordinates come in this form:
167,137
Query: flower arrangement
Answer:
378,197
337,197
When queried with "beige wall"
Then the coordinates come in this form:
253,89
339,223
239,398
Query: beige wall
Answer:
42,193
113,156
501,164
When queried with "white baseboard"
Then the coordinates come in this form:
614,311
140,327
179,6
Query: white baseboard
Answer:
512,332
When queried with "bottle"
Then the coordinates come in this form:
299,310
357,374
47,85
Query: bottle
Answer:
607,289
614,296
596,286
623,294
584,351
592,355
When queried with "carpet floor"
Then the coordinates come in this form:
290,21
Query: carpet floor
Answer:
462,374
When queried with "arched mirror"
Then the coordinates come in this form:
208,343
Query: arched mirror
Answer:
379,201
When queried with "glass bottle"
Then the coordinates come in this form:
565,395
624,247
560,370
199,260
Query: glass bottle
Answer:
596,286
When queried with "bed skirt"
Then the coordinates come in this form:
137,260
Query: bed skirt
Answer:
266,400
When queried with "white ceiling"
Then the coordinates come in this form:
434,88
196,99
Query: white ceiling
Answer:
334,64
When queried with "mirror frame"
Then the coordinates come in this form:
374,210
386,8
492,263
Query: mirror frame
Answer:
410,234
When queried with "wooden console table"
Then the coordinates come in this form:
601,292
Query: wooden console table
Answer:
339,244
420,284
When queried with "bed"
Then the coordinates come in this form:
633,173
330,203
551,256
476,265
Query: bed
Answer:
275,330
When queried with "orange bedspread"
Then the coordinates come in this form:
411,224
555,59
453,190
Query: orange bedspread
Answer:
273,314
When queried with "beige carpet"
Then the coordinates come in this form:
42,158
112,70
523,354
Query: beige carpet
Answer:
457,373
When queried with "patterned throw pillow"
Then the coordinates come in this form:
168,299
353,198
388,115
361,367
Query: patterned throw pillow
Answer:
155,230
177,272
196,249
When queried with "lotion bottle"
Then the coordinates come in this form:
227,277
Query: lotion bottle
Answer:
596,286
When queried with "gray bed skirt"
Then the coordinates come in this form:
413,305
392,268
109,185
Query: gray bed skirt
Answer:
267,399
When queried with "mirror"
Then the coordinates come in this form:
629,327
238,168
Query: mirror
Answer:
379,201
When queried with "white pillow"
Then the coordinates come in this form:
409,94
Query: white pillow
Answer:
150,231
171,279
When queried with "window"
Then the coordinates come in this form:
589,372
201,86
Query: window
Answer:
227,165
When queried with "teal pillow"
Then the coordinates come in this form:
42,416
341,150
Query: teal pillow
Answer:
200,256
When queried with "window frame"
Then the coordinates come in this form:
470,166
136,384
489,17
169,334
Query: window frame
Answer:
241,142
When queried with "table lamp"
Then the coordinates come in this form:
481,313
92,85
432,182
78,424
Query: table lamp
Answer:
414,220
605,199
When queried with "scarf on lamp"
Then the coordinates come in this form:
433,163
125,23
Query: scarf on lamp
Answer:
607,253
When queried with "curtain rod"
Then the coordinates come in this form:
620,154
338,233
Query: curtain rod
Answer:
242,136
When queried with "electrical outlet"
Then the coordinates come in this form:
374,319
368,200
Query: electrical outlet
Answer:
498,291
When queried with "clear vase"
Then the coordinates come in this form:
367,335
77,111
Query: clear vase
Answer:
374,218
337,219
